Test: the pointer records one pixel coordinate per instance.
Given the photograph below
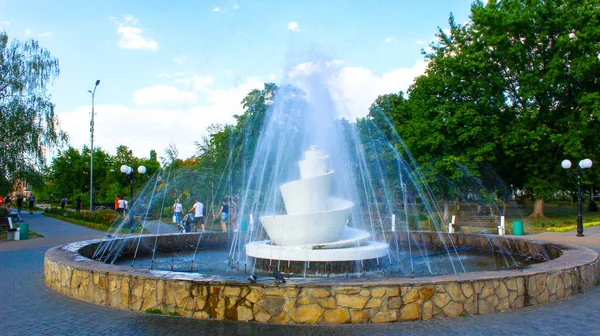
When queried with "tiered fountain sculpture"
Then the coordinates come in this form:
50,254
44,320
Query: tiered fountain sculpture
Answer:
315,226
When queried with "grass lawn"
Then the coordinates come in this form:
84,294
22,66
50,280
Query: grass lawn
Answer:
96,226
32,234
558,217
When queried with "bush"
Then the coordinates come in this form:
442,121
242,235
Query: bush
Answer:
104,217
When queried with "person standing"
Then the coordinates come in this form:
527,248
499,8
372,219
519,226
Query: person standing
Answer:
63,202
121,206
198,209
31,203
234,213
8,201
78,204
177,208
117,203
224,213
19,203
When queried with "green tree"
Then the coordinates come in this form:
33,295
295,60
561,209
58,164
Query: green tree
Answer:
69,174
27,121
515,88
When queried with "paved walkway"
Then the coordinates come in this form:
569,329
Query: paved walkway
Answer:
30,308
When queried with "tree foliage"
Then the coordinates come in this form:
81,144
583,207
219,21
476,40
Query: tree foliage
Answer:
515,90
28,124
69,173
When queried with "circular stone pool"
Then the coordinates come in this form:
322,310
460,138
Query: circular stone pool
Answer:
69,270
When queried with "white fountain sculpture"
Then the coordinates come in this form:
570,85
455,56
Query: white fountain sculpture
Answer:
314,228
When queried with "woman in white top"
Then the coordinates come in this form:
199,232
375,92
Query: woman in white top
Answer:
177,208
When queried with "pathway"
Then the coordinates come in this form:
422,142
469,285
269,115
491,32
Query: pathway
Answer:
30,308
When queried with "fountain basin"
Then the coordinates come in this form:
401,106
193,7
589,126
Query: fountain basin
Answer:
312,228
69,270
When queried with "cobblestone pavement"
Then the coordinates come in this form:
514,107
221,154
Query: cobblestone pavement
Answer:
30,308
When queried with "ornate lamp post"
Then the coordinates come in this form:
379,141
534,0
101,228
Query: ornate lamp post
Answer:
583,164
92,148
125,169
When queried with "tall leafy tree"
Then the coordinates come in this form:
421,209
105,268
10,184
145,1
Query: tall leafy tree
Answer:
544,55
515,88
28,124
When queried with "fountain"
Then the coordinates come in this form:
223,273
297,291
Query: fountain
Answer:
328,232
315,226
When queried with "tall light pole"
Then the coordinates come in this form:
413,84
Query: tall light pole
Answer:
92,148
583,164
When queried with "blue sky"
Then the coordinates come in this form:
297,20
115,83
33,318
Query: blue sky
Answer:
169,69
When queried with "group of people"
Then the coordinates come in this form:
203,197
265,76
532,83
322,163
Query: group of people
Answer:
197,209
78,202
227,212
121,205
20,199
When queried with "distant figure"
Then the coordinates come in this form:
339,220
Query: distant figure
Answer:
117,203
78,204
19,203
198,209
121,208
8,201
177,208
31,203
126,204
13,214
224,213
278,276
63,202
234,213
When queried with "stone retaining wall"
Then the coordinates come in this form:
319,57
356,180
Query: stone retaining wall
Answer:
326,300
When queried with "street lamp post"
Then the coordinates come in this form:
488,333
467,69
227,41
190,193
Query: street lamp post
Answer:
583,164
92,148
125,169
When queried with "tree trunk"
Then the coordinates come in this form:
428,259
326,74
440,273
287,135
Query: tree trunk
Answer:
538,208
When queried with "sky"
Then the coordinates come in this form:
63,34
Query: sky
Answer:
169,69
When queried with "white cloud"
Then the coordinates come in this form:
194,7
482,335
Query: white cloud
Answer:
420,42
354,89
5,23
156,128
216,9
183,117
163,95
236,5
131,35
357,88
293,26
46,33
180,59
190,80
389,40
201,83
27,32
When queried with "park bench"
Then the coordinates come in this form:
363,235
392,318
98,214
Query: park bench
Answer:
477,221
7,225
